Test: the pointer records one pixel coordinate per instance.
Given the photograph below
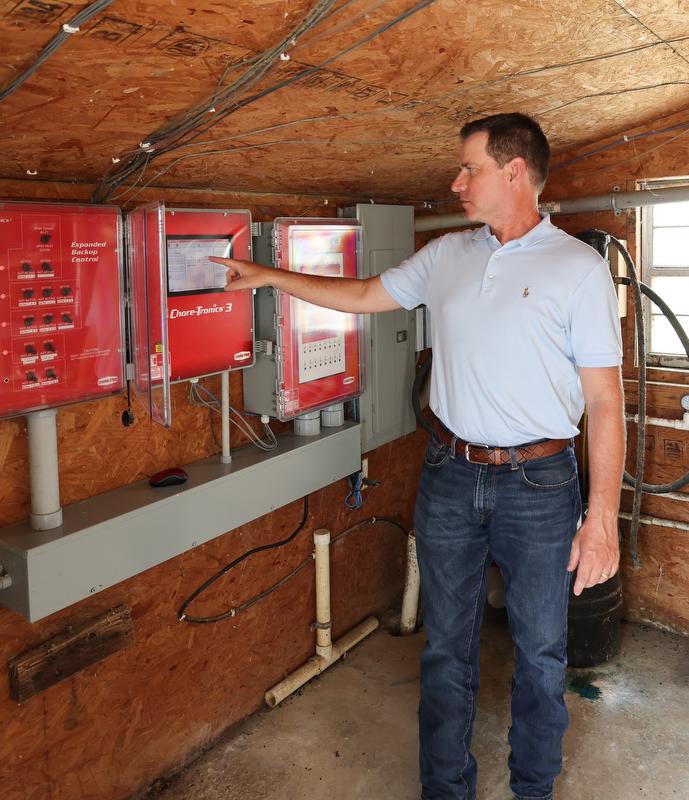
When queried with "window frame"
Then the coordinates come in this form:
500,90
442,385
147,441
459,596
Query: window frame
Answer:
648,272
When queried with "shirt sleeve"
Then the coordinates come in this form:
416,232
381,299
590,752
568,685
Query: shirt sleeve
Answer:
595,321
408,283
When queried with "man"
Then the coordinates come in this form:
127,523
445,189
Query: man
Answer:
525,330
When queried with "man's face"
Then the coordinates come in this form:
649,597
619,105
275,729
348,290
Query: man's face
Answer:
482,185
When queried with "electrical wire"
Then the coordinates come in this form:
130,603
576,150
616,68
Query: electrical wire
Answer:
168,135
641,428
370,521
421,373
230,100
636,17
261,145
660,488
611,93
201,396
182,613
625,139
66,31
232,612
355,499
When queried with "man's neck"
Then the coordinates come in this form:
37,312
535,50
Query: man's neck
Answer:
515,225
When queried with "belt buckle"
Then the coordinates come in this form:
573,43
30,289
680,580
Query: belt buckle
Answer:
474,444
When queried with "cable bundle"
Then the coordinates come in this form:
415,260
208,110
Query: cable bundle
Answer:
201,396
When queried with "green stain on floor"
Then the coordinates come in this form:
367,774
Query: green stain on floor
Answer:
582,684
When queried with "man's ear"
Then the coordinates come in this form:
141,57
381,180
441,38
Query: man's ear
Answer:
516,169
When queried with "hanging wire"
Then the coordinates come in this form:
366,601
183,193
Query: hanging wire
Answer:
67,30
201,396
232,98
232,612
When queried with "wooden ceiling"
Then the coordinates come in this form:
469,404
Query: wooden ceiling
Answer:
379,121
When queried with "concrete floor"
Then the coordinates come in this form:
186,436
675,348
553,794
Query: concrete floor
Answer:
351,733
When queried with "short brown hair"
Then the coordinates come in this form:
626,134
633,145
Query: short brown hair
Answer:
511,136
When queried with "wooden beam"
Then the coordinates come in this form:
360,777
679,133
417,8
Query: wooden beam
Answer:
69,652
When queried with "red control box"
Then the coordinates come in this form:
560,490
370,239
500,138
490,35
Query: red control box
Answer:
60,305
209,330
319,353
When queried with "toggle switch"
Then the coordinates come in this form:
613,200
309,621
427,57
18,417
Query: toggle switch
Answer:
28,321
50,374
66,318
47,291
45,238
49,347
48,319
26,267
45,266
65,291
30,349
27,294
31,376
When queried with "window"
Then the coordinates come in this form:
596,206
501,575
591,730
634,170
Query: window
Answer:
665,238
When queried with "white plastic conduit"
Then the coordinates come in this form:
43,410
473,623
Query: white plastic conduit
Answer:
657,521
46,512
225,456
661,422
327,651
679,496
410,598
615,201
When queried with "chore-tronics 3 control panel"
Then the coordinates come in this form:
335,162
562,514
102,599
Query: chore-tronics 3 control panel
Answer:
60,305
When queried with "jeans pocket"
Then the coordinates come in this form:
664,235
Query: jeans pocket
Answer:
551,472
436,453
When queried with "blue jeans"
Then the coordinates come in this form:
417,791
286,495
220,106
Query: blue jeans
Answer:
524,518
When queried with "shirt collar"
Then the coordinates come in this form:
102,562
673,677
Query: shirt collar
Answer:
543,230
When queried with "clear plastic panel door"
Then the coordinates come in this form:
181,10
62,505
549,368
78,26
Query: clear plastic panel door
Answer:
147,281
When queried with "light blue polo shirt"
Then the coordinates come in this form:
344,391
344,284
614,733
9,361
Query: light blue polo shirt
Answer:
510,325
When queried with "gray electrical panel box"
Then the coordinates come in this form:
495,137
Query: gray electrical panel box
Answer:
260,387
386,411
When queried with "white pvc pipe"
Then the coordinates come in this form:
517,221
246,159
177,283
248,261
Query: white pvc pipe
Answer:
46,512
324,644
616,201
315,665
327,652
644,519
410,598
682,498
661,422
225,456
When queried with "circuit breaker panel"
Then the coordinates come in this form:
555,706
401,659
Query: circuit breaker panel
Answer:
385,408
61,309
184,323
309,357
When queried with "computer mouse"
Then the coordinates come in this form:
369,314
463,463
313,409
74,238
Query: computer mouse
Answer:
168,477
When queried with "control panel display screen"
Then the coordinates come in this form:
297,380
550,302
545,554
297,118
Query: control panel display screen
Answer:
188,269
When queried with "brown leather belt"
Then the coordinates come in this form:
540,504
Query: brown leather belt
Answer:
485,454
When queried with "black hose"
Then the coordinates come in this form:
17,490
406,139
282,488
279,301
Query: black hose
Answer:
421,373
660,488
637,482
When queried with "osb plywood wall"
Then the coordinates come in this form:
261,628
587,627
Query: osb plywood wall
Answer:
657,592
113,728
367,103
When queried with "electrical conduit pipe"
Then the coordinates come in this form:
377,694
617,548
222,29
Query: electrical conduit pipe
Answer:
616,201
225,456
410,598
46,512
327,651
